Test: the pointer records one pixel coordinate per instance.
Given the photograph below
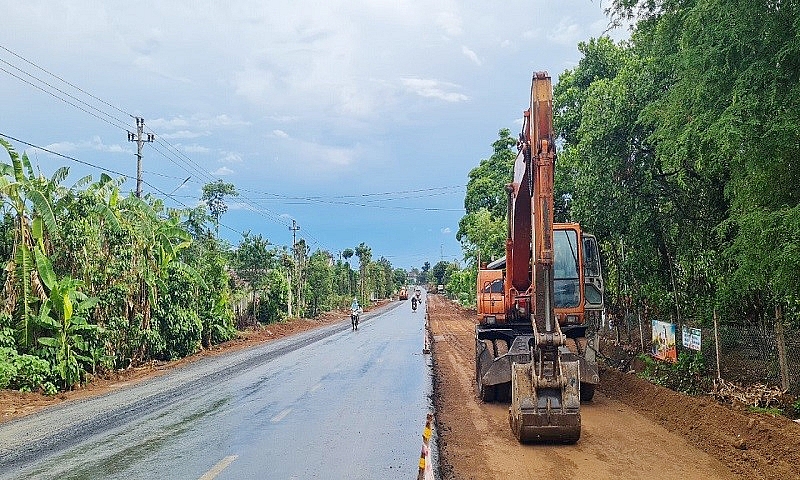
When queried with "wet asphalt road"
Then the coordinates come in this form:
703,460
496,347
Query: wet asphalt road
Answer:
327,404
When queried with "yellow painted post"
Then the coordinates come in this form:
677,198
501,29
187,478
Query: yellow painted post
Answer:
425,467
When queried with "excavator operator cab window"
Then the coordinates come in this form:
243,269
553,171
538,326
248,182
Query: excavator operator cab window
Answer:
494,287
566,276
593,281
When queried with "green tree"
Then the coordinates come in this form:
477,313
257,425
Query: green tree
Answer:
400,277
423,273
63,317
253,260
214,194
481,230
320,282
438,271
364,254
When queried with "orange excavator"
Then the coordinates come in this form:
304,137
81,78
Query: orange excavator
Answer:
534,304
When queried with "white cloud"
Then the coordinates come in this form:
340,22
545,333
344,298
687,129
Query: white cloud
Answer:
222,171
96,144
183,134
194,148
167,124
565,33
330,155
446,230
430,88
62,147
450,22
230,157
471,55
280,133
190,125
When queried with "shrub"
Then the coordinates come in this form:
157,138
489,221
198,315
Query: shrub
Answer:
687,375
25,373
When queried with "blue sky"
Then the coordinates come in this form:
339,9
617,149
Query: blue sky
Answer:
358,119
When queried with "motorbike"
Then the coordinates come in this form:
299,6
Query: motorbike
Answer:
354,320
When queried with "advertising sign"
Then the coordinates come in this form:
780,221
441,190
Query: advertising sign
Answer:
664,341
691,338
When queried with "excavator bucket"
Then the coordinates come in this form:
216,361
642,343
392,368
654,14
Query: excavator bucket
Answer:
546,408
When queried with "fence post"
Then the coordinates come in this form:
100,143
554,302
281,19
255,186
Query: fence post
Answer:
716,342
641,331
779,340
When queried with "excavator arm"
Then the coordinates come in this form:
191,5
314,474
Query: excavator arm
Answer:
545,392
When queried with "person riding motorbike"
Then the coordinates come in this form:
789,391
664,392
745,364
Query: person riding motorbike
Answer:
355,311
414,304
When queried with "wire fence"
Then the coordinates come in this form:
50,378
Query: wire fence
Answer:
766,353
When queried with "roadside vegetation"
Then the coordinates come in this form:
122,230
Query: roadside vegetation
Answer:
679,152
95,281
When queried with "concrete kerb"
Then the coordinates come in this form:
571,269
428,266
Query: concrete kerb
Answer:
426,347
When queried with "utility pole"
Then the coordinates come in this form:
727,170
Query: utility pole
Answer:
294,228
140,138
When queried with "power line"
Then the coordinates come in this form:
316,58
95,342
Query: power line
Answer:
83,162
44,149
175,156
65,81
59,98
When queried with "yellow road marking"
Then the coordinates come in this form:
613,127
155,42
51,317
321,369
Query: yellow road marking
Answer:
277,418
219,467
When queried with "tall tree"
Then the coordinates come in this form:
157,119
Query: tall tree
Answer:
320,282
253,261
481,230
214,194
364,254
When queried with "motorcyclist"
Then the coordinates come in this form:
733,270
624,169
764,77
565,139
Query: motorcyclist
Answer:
355,311
414,304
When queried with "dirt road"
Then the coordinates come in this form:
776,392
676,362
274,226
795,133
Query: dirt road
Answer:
632,429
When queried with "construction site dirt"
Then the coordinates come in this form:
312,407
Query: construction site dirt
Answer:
631,429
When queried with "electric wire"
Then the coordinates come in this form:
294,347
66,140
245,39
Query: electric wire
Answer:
174,155
89,164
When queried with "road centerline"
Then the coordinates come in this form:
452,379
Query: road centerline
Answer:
277,418
219,467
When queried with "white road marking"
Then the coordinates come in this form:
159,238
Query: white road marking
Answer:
277,418
219,467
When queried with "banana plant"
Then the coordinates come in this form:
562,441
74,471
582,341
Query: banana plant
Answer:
28,202
63,317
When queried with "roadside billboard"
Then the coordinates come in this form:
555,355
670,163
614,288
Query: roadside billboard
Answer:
664,341
691,338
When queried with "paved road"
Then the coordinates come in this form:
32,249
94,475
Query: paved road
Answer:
328,403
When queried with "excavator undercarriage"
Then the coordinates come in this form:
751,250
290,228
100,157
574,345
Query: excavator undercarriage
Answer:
545,384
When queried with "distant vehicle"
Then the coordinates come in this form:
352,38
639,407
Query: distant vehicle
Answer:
403,293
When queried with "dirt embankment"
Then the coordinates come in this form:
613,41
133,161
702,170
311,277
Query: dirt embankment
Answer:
632,428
